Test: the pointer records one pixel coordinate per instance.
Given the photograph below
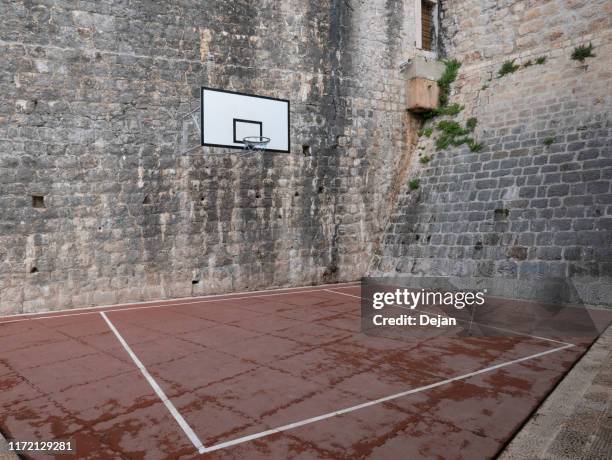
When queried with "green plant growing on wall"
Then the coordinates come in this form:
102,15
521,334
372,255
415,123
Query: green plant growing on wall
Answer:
549,141
541,60
451,71
474,146
507,68
452,110
451,128
582,52
451,133
414,184
427,132
443,142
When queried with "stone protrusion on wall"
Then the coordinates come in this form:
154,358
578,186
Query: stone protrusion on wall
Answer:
422,95
422,90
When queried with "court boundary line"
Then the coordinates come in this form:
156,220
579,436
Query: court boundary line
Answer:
171,303
347,410
318,287
463,320
193,437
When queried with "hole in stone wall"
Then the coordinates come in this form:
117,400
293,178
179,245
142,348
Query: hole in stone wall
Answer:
417,237
195,281
306,150
321,188
146,200
297,194
501,214
428,238
38,201
330,273
258,196
33,270
478,246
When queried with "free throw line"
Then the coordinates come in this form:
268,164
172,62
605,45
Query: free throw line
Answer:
160,393
318,418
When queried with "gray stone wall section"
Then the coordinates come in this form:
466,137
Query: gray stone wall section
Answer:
520,208
89,119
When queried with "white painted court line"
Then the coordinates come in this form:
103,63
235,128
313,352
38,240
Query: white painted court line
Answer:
318,418
192,301
473,322
320,287
175,413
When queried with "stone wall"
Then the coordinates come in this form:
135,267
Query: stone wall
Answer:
536,201
90,124
98,203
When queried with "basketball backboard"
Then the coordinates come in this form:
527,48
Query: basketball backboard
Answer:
228,117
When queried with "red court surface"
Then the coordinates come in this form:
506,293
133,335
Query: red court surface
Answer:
271,375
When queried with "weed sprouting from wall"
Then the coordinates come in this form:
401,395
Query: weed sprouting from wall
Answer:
582,52
448,77
474,146
507,67
451,70
452,134
471,123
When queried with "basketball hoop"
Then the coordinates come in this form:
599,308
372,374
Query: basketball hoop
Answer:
234,123
255,143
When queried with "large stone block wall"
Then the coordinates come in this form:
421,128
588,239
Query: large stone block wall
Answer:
90,118
519,208
93,95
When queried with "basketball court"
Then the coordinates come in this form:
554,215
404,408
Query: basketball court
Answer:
273,374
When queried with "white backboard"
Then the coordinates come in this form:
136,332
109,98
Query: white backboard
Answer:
227,117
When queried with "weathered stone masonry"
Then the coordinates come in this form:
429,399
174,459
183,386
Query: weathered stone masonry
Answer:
97,204
520,208
89,120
